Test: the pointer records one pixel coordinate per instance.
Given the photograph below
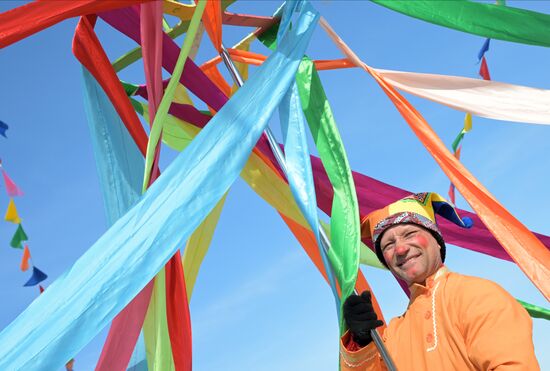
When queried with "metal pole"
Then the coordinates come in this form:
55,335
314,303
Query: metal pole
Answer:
325,242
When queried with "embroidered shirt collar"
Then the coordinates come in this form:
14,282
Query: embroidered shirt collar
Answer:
418,289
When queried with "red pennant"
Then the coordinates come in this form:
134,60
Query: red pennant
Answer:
484,70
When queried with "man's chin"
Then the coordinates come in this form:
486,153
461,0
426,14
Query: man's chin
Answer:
409,277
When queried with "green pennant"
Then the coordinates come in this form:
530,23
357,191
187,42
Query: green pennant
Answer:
18,237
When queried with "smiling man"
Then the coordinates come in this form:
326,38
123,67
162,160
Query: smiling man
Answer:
453,322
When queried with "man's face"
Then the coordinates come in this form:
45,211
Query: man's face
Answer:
411,252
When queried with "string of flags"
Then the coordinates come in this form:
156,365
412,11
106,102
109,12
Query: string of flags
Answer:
20,237
483,73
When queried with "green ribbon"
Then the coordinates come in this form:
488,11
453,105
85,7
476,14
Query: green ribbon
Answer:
487,20
345,232
155,329
345,229
168,96
535,311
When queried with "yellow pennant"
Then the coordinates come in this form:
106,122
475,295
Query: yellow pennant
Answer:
11,213
467,123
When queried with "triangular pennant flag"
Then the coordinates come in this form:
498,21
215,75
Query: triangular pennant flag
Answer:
25,260
12,189
467,123
484,70
69,365
37,277
3,128
18,237
40,288
483,49
11,213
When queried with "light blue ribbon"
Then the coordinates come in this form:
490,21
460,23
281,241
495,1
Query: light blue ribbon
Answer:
299,173
118,160
119,165
113,271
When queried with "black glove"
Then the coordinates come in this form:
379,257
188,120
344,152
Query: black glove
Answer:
361,317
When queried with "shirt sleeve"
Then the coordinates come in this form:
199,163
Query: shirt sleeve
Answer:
355,358
497,329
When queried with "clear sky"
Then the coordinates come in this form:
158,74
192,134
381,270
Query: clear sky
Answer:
259,304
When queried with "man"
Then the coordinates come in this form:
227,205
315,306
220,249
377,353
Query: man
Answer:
453,322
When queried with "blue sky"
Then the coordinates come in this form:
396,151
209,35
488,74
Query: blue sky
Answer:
259,304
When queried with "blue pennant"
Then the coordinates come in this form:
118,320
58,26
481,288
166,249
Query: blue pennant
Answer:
37,277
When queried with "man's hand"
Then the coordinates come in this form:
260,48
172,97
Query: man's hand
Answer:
361,317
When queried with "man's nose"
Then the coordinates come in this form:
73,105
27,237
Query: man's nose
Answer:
401,247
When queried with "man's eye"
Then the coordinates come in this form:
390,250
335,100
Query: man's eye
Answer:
387,246
410,234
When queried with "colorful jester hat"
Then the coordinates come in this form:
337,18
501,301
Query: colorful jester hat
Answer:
419,209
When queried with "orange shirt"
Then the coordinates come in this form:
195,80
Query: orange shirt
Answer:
455,322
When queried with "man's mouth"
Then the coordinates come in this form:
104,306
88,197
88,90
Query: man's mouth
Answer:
407,260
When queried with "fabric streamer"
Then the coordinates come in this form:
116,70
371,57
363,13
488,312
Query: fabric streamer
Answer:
212,20
84,299
535,311
256,59
491,99
168,97
118,159
127,22
37,277
170,326
11,188
487,20
198,245
298,171
179,321
120,168
11,213
88,50
345,231
158,346
25,259
135,54
18,23
3,128
246,20
526,250
151,40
